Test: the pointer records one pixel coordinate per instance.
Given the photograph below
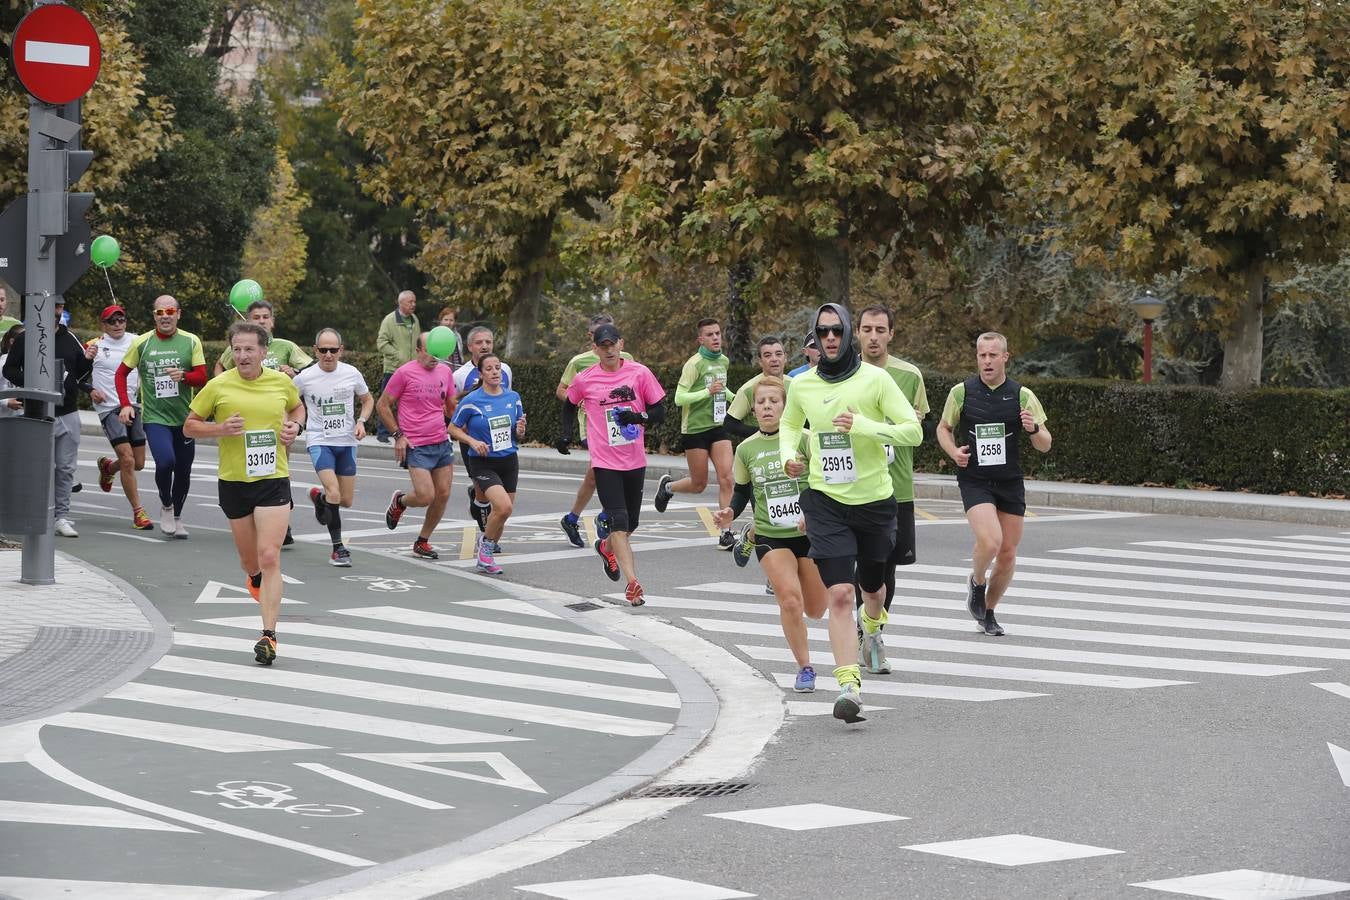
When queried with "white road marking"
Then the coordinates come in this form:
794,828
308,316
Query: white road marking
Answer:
910,689
1263,565
1341,758
65,888
372,787
419,619
181,735
133,537
85,816
508,773
1243,551
1198,574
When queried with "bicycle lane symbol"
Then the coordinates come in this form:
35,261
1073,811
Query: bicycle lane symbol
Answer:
271,795
385,585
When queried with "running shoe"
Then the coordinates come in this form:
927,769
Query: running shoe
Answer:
265,651
602,525
768,589
990,625
141,519
254,592
611,564
486,564
105,474
848,704
492,545
65,528
874,654
806,681
289,539
634,594
573,532
166,520
394,512
745,546
727,541
320,507
342,557
975,600
76,487
179,530
421,547
663,494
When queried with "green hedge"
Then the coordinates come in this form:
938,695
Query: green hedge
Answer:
1269,441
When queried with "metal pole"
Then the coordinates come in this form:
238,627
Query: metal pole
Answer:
38,565
1148,351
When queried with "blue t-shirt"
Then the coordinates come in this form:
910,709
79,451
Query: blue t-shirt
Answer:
485,416
804,367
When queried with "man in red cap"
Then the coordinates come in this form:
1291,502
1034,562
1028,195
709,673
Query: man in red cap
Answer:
127,439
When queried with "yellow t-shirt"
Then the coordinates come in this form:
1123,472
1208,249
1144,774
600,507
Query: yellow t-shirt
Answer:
258,453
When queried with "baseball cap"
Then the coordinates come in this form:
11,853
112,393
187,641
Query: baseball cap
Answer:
109,311
606,333
810,340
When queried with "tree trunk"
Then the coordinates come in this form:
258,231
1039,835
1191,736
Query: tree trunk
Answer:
1243,345
522,330
736,340
832,257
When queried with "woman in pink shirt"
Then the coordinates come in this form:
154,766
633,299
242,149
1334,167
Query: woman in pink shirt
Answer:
621,398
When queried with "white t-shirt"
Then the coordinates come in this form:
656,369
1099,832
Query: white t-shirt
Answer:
467,378
106,361
331,404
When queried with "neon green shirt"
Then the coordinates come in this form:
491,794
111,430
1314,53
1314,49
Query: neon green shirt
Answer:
777,495
743,404
849,467
280,352
910,381
163,401
699,410
6,323
258,453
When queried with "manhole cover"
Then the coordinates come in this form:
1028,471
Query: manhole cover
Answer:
712,789
584,606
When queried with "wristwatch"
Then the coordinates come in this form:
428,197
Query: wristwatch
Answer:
396,435
1035,430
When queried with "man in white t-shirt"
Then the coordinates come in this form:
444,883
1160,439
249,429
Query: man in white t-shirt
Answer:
479,342
337,404
128,440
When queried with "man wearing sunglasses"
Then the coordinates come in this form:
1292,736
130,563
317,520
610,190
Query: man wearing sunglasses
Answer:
337,404
170,365
855,411
127,439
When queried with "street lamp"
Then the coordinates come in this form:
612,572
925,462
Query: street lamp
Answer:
1149,307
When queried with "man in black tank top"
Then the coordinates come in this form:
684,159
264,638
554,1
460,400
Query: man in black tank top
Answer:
979,430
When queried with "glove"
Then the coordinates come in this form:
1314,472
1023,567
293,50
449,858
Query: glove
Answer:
629,417
562,446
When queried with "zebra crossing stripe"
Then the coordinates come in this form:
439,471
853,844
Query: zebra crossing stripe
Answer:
1244,551
1198,574
84,816
1322,538
384,692
65,888
302,716
212,739
1286,544
922,691
1180,558
558,635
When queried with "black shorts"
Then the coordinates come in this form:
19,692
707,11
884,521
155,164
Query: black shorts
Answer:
620,490
905,547
704,440
494,471
799,545
238,499
1008,495
844,531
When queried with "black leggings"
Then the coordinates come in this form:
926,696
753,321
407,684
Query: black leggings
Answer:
621,496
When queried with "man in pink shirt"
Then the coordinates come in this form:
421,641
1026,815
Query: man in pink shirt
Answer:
425,394
621,398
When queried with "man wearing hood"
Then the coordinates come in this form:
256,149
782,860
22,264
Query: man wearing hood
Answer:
855,411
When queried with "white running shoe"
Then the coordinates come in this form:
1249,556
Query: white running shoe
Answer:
167,522
179,530
66,528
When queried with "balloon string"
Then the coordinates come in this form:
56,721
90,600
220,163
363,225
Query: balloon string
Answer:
108,278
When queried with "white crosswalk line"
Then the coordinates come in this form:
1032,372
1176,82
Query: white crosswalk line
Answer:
1197,574
966,670
305,716
364,784
1157,556
1313,545
1316,538
510,605
907,689
181,735
400,616
1244,551
382,692
497,677
462,648
65,888
1335,687
85,816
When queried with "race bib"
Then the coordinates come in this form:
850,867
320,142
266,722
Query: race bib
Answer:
890,454
260,453
619,435
836,458
336,422
500,429
784,503
165,387
991,445
719,401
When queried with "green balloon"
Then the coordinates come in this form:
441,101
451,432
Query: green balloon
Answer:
441,342
243,293
104,251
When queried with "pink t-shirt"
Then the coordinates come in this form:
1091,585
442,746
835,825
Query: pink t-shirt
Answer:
601,394
421,394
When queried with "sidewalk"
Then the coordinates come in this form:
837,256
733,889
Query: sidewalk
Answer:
1063,494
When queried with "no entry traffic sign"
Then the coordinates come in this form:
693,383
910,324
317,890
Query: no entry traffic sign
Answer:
56,53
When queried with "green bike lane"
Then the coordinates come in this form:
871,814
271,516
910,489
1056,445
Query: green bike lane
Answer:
413,712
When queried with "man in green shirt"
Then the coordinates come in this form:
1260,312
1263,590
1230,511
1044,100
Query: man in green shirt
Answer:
876,328
6,322
772,359
397,342
979,429
855,411
282,355
701,395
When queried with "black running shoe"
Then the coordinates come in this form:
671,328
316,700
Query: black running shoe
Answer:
573,532
745,546
265,651
726,541
611,564
975,600
663,494
990,625
320,507
290,538
421,547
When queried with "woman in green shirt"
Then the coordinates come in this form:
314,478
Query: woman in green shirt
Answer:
779,540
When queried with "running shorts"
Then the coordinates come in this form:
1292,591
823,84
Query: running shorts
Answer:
133,434
342,460
238,499
842,530
490,471
704,440
1008,494
800,545
430,457
905,545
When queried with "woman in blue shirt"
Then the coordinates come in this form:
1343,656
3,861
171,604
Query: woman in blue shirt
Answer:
489,422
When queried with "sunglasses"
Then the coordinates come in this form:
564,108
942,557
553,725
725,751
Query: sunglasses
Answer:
116,320
826,330
327,349
167,311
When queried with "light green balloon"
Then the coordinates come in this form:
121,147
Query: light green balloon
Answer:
441,342
243,293
104,251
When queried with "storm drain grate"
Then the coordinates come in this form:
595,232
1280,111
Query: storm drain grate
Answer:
584,606
712,789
